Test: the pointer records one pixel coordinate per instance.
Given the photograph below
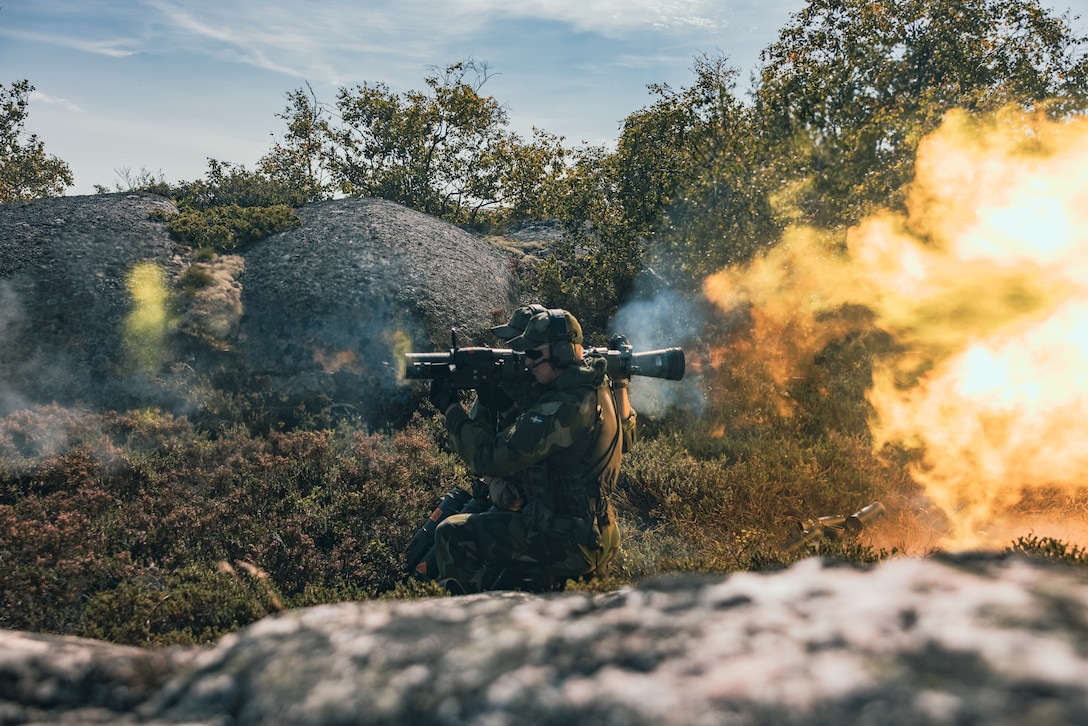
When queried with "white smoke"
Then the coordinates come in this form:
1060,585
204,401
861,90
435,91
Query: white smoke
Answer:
667,320
11,315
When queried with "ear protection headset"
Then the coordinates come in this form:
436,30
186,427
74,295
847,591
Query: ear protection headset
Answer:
562,343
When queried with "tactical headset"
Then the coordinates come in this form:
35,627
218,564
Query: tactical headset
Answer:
562,339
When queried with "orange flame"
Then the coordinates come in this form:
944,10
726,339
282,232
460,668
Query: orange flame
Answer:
984,285
336,361
988,280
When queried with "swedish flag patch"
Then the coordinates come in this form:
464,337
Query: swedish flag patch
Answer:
529,431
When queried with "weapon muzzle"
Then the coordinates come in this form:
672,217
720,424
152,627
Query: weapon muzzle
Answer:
667,363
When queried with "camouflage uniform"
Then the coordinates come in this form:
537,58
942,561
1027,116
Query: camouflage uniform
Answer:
504,493
563,452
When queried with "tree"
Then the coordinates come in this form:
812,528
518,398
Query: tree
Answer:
851,87
444,151
26,171
678,191
297,161
518,180
713,198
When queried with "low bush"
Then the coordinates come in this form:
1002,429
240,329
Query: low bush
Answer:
140,515
147,528
230,227
1049,549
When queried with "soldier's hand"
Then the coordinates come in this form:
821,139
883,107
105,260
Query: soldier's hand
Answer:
442,396
618,342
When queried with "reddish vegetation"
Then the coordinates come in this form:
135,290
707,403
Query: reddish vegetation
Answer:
124,526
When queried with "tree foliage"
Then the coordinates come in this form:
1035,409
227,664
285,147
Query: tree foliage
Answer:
851,87
678,170
26,171
295,162
717,212
444,151
226,184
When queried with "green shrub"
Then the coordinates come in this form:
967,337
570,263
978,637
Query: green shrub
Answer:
229,227
186,606
195,278
1049,549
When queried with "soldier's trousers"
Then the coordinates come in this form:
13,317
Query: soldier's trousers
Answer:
468,544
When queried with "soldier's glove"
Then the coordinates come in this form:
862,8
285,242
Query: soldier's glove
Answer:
495,399
480,489
441,395
619,342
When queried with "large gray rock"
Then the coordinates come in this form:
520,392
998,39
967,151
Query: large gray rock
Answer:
334,304
322,312
976,639
64,265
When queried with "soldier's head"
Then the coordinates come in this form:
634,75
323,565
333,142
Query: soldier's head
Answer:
518,321
552,341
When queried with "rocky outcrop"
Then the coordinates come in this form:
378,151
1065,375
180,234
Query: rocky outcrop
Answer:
101,307
975,639
64,265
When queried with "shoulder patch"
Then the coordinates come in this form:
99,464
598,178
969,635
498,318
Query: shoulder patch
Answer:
530,428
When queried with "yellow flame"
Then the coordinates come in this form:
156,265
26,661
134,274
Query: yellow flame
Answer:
984,283
401,344
987,278
785,292
146,325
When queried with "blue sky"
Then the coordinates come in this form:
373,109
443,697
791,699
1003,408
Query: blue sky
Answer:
162,85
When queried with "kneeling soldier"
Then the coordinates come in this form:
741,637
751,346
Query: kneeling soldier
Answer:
563,451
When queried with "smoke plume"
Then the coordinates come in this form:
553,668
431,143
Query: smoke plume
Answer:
665,321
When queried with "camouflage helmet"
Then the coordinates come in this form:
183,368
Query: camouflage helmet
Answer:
551,327
518,321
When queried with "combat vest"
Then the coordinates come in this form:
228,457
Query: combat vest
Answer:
569,493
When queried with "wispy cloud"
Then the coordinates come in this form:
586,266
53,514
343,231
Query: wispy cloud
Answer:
118,48
328,40
299,41
611,17
37,96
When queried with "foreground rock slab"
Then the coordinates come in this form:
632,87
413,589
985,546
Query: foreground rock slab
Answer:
978,639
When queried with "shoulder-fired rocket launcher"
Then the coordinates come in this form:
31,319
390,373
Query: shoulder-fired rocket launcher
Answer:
480,366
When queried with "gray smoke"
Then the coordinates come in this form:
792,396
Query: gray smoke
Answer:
667,320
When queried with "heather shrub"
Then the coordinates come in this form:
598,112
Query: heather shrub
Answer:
137,527
186,606
148,528
731,506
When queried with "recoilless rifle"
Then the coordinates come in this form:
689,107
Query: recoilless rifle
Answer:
476,367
